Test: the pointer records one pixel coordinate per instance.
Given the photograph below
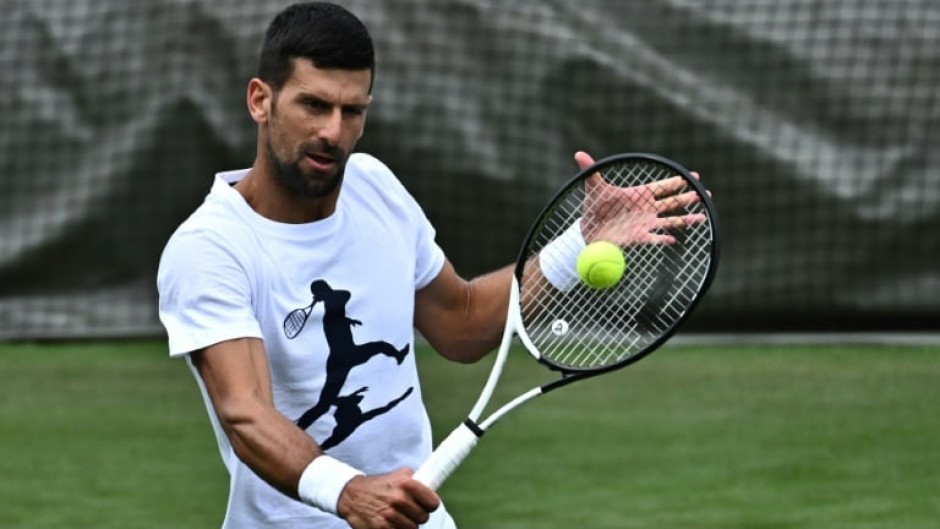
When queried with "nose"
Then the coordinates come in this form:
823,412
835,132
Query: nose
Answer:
332,127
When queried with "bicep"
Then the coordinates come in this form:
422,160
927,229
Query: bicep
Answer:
463,320
438,305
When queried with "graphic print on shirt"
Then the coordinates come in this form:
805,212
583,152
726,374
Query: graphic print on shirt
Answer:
344,355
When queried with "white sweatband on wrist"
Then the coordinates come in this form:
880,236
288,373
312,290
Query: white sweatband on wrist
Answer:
323,481
558,259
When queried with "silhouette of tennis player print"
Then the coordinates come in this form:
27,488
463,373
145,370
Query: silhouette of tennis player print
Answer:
344,355
350,416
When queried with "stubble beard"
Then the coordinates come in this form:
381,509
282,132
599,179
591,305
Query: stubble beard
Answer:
310,184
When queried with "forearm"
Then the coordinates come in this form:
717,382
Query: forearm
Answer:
271,445
236,377
485,315
291,461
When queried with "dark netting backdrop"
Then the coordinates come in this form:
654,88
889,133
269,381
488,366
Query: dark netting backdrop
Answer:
815,123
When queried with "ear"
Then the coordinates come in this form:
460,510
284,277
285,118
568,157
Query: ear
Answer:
259,99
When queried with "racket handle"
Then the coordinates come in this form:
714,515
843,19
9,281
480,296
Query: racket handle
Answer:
447,457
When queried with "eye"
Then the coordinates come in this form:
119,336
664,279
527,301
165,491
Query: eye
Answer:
353,112
317,105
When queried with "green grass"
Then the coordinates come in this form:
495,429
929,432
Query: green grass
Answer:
114,435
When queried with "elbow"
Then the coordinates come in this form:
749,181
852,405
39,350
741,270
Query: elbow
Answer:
461,327
466,341
461,356
464,350
237,416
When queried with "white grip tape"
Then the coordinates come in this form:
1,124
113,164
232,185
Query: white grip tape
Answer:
322,482
559,258
447,457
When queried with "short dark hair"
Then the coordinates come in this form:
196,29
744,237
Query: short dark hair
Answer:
326,34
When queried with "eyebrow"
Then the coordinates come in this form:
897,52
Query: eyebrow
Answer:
308,96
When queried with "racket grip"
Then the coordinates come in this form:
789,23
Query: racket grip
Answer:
447,457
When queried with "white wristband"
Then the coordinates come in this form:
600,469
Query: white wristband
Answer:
323,481
558,259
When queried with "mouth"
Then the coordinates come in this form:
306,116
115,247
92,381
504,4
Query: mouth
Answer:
321,161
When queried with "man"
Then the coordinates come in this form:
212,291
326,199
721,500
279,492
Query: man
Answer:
262,287
294,290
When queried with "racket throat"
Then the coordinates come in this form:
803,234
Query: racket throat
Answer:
474,427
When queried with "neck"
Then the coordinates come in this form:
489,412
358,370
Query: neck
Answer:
271,200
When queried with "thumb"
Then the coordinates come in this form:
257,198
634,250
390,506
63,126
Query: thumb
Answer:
583,159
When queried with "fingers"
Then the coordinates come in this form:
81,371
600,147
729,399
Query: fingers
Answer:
661,239
662,188
680,201
583,159
420,501
392,500
593,182
640,214
667,190
424,498
681,221
667,186
594,185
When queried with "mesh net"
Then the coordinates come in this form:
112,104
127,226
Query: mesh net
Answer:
813,122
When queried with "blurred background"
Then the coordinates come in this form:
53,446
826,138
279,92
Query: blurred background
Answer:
816,125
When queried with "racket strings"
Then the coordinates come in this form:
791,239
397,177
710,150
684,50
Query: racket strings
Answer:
584,328
294,323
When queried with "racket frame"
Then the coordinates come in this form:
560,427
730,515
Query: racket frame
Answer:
573,374
456,446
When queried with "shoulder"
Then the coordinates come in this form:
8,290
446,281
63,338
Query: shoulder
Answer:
196,251
369,179
365,169
218,219
211,238
367,163
208,226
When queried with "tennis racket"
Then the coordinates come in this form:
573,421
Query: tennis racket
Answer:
664,221
296,319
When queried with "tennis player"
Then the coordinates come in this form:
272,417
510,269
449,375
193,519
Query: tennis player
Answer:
294,290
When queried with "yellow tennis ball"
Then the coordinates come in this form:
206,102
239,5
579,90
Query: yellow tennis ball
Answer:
601,264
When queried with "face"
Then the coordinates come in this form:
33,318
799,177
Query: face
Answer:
311,125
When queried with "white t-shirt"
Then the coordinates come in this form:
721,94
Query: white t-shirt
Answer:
333,301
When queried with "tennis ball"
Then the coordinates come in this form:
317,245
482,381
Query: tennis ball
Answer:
601,264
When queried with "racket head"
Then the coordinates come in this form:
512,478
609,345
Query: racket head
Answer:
295,321
667,227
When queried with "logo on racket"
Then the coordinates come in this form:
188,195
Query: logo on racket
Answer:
560,328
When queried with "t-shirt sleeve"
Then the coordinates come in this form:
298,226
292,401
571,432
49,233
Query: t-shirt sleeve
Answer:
430,256
204,293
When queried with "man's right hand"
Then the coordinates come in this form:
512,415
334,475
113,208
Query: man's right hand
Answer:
386,501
